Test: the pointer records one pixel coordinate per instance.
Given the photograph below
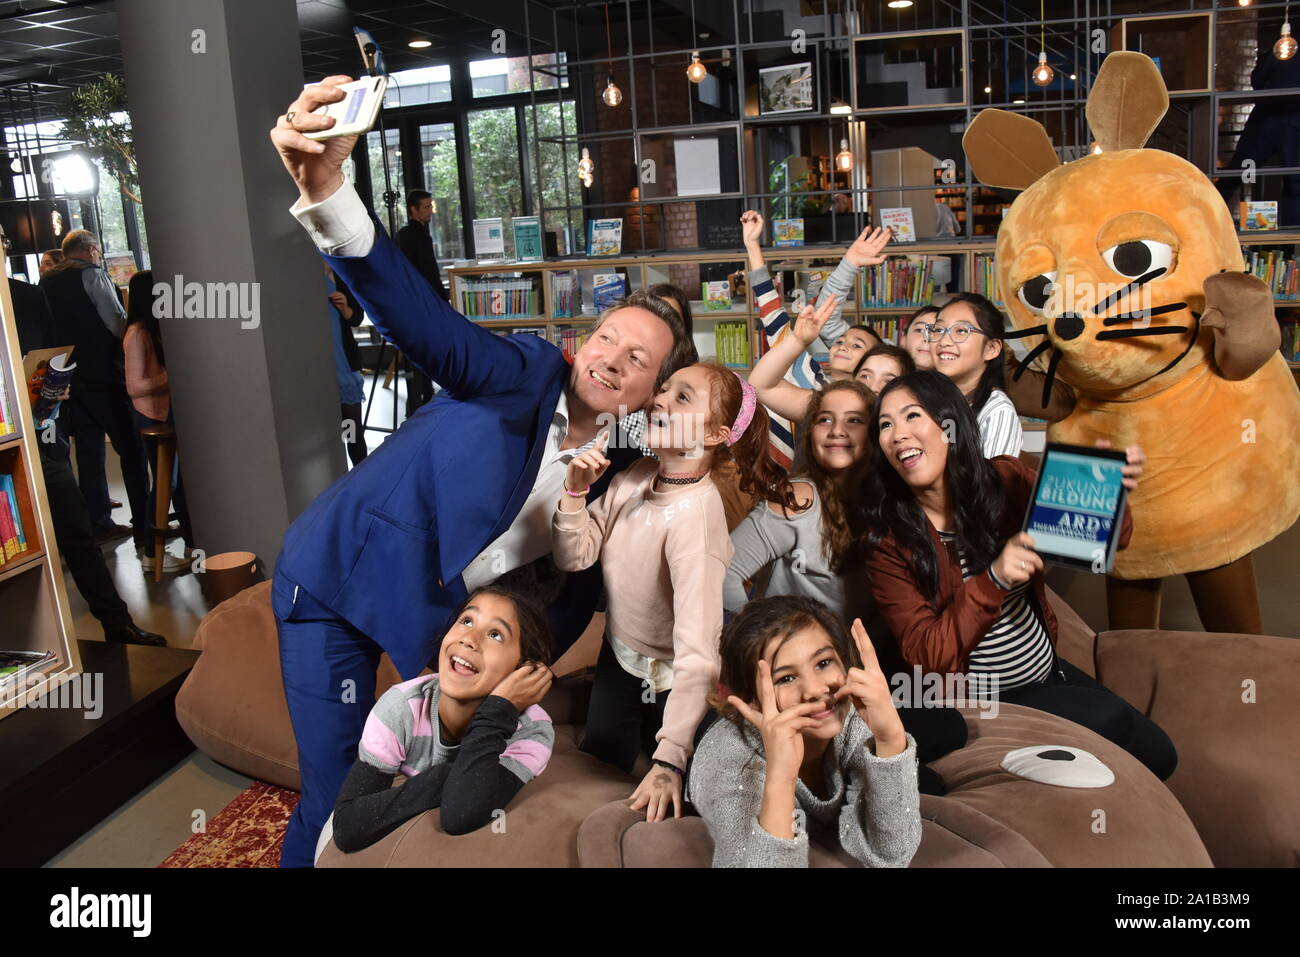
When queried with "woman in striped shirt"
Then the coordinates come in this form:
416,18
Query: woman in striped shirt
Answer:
957,582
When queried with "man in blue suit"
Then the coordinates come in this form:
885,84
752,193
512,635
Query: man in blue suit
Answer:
462,493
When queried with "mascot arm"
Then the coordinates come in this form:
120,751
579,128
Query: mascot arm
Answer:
1026,393
1239,309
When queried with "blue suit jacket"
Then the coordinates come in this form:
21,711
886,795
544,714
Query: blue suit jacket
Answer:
385,545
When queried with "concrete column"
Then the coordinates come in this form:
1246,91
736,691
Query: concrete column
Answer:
253,384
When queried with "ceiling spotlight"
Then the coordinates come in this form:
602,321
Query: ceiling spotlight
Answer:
1043,73
420,44
612,96
697,71
1017,102
899,4
988,89
840,108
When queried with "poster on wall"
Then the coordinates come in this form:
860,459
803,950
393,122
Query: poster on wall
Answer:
786,89
489,238
528,237
699,169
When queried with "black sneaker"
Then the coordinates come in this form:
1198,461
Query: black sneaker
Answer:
132,634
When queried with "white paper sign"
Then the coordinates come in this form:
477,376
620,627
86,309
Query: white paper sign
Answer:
489,238
699,172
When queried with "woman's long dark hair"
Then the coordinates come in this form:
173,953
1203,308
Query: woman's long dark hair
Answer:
990,319
976,489
139,296
839,508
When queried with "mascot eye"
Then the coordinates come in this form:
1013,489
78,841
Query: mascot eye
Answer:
1139,257
1037,291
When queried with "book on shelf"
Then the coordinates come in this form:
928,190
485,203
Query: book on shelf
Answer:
13,539
1258,215
986,277
787,232
1276,269
48,373
898,220
528,237
604,237
1291,341
570,341
14,663
717,295
731,340
498,298
489,238
8,417
607,289
898,281
564,289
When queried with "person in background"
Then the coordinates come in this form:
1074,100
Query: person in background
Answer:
72,530
49,259
417,245
882,365
347,314
916,336
88,315
145,372
678,299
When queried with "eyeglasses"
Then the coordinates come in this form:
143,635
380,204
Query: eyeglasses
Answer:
959,332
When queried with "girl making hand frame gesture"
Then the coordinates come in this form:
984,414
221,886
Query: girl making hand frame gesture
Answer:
812,736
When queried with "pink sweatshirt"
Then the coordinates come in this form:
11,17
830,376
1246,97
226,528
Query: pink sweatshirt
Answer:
664,556
146,379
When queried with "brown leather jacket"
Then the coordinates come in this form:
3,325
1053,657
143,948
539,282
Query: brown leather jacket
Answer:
939,635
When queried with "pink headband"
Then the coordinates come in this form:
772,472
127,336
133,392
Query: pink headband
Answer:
748,400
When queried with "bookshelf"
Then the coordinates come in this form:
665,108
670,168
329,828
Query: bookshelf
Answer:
969,263
33,602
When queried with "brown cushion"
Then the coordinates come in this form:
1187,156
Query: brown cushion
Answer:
1237,772
1144,826
1076,642
540,826
952,835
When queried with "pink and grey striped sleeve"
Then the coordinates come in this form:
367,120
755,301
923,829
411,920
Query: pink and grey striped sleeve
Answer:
529,748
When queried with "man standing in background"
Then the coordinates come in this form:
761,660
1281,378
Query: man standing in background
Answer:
416,244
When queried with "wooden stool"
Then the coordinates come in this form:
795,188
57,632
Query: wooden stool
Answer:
163,440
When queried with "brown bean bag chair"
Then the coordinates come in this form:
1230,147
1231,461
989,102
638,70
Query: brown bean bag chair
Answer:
988,818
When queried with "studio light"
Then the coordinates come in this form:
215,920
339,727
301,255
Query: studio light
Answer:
73,174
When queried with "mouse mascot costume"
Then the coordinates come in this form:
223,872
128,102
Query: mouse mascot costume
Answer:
1123,273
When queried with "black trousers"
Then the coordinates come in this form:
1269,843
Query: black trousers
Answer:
1072,694
95,414
619,723
76,538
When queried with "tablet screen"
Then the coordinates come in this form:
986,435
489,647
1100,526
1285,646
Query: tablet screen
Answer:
1075,504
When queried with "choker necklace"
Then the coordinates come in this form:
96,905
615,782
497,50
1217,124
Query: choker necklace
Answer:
681,478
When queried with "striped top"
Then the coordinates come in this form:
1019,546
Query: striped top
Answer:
1000,431
1017,649
402,736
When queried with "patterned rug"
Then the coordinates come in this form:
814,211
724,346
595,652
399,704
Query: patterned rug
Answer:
248,832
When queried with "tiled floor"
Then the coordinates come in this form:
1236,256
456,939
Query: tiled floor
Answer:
160,818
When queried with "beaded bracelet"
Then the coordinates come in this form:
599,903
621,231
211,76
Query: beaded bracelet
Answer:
582,494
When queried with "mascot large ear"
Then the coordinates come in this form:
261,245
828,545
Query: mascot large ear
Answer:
1127,101
1008,150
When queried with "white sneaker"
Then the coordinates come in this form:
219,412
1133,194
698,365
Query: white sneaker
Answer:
171,563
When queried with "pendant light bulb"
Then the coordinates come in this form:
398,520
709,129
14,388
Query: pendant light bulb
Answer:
586,168
612,96
844,159
697,71
1043,73
1285,48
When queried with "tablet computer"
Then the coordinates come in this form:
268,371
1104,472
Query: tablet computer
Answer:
1078,502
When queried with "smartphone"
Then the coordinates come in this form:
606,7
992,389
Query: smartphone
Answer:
356,112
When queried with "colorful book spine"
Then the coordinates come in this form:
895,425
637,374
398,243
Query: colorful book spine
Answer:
8,532
499,298
8,420
898,282
7,484
1278,272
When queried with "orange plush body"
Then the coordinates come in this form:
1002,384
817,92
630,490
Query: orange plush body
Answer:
1224,456
1123,273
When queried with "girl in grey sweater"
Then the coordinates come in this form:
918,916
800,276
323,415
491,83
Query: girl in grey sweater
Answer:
810,743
